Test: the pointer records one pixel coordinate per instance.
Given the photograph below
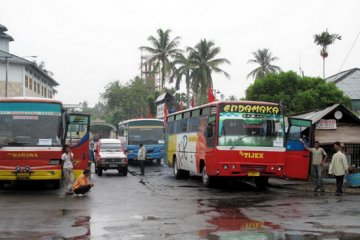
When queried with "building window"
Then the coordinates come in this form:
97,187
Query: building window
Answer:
38,88
50,95
45,92
35,86
30,85
26,81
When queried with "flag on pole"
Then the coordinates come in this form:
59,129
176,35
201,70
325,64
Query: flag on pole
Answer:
165,113
181,106
211,97
192,102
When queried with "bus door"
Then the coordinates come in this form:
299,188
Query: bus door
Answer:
297,158
77,137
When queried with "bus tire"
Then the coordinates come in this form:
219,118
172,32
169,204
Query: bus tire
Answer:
177,171
99,171
206,179
158,161
185,174
261,182
56,184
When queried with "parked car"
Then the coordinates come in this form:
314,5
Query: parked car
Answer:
109,154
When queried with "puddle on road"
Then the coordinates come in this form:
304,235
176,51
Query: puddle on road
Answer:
227,221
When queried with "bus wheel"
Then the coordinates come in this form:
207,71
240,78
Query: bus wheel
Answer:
56,184
207,180
99,171
261,182
177,171
158,161
185,174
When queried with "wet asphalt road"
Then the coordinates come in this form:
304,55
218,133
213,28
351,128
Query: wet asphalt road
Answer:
156,206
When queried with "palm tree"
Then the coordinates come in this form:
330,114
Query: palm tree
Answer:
263,57
183,68
324,40
161,52
203,64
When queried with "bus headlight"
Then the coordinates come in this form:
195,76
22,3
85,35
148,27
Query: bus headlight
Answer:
18,169
226,167
279,168
27,169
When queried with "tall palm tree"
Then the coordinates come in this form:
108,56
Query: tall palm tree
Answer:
263,57
161,52
183,68
325,39
203,64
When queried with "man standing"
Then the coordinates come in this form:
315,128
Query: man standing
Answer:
318,159
82,184
141,158
68,165
338,167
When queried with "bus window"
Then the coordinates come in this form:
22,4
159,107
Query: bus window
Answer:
210,131
184,125
194,124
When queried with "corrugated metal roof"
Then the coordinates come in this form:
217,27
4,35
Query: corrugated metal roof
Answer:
348,82
316,115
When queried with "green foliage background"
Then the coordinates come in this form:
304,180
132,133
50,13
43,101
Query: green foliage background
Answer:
296,93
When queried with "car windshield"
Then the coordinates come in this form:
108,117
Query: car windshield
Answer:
111,147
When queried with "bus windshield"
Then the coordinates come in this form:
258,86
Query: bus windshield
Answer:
39,124
243,129
145,135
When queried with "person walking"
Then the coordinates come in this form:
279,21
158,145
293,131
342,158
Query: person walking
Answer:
339,167
318,159
141,158
82,184
68,166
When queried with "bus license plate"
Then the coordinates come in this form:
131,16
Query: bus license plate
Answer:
23,176
113,165
253,174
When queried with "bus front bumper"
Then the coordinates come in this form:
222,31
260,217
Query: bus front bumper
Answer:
31,175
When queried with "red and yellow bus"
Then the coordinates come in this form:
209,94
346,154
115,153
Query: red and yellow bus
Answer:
242,139
33,132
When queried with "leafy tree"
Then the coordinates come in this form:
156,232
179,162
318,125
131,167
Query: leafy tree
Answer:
203,64
129,100
325,39
264,58
296,93
161,52
183,68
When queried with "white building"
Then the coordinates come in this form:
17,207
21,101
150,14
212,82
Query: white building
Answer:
349,82
20,77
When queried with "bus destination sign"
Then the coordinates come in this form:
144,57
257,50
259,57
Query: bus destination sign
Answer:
247,108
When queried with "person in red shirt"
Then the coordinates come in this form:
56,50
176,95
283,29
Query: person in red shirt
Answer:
82,184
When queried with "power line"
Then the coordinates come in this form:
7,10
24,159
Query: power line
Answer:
349,52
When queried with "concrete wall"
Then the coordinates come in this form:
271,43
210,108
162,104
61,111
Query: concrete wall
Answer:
15,80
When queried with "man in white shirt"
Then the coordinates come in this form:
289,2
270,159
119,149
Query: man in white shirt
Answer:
339,167
68,166
141,158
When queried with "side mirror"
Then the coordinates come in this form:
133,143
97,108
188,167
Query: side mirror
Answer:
95,151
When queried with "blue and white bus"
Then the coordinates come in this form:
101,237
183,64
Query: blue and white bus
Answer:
149,132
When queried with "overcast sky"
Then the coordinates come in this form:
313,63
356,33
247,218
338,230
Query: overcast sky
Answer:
90,43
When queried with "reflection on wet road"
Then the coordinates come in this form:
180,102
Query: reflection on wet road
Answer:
156,206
